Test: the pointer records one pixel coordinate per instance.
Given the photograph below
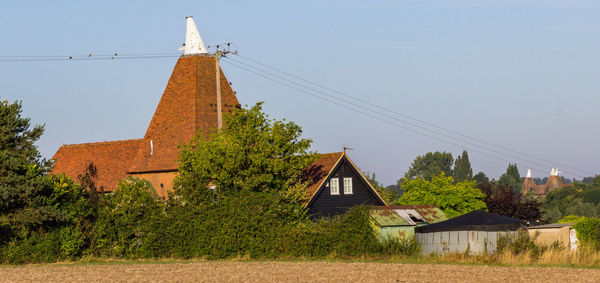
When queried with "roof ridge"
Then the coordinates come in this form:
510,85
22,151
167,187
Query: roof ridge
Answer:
330,153
102,142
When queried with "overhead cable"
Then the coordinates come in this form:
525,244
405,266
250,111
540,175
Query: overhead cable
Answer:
373,114
422,121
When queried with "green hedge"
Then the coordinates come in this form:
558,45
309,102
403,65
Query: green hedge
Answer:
588,232
587,228
135,223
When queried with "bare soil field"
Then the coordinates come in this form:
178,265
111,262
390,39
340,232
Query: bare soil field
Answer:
291,272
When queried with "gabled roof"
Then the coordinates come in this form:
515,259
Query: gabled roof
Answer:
477,220
319,171
189,104
110,158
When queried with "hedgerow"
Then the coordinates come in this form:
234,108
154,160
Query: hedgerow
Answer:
134,223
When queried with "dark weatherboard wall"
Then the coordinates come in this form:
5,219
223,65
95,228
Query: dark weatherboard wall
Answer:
324,204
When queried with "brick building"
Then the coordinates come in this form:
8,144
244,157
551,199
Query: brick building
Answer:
554,182
187,106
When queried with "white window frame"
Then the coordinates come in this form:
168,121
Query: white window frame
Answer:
348,186
334,186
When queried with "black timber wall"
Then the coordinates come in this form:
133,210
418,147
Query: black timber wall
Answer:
324,204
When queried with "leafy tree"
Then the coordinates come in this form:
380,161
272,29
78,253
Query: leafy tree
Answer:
25,191
578,199
88,182
596,182
396,189
572,219
511,178
588,232
126,217
388,194
453,198
429,165
502,199
252,154
578,207
462,168
481,178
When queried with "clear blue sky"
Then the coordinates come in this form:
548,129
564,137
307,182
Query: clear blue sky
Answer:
521,74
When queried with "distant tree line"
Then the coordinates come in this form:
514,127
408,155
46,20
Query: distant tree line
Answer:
503,196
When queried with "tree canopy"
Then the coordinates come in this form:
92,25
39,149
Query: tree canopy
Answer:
25,191
577,199
511,177
454,199
429,165
462,168
502,199
253,153
388,194
480,178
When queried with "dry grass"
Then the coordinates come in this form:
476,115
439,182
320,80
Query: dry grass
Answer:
550,257
291,271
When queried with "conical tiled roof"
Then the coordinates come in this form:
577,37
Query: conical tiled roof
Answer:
188,105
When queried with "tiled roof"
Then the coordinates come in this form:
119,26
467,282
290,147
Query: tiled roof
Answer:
110,158
189,104
316,173
553,182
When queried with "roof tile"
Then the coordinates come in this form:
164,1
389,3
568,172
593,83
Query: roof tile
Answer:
110,158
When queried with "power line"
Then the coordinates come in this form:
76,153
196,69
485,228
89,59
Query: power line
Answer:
372,116
421,121
88,57
388,116
116,56
278,79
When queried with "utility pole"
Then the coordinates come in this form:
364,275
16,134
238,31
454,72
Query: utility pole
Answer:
219,109
220,52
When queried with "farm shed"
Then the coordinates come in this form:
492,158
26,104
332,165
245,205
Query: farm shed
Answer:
476,231
400,221
564,234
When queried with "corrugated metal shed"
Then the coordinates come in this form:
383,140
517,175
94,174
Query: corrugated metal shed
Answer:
400,221
384,217
426,213
477,231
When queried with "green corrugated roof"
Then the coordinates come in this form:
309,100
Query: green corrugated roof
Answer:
432,214
393,215
384,217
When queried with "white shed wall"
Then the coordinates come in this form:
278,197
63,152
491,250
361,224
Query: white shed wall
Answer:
459,241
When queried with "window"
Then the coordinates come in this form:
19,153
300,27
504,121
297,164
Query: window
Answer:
334,186
347,186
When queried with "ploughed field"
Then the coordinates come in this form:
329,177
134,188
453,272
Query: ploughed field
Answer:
291,272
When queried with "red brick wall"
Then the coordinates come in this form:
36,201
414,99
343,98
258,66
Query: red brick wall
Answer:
165,178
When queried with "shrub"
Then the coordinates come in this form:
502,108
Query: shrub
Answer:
572,219
524,243
588,232
125,220
134,223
